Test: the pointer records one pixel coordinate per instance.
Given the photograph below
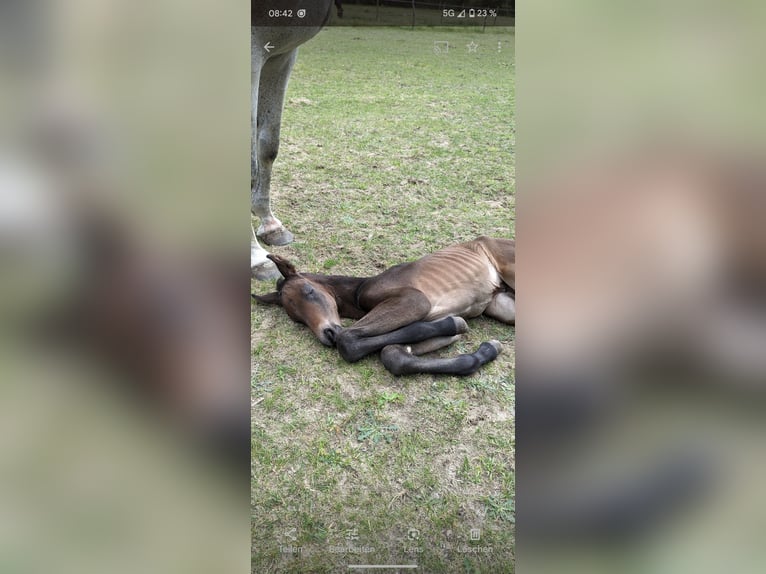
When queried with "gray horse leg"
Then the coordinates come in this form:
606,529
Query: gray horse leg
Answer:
268,100
261,267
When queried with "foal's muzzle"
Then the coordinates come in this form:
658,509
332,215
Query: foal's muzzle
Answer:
330,335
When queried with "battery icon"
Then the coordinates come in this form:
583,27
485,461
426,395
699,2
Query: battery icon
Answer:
472,13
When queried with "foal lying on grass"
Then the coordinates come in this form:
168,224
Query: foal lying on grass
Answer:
409,309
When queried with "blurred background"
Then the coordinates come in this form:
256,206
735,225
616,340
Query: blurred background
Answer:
641,257
124,170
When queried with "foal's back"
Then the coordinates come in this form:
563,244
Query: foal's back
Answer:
458,280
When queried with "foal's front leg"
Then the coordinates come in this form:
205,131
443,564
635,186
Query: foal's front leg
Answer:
354,348
398,319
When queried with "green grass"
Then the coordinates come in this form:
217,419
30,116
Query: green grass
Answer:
389,151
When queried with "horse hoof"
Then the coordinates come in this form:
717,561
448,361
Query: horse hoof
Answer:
395,359
488,351
460,325
279,236
265,272
497,345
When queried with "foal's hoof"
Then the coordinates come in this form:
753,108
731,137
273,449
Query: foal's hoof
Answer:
496,344
488,351
265,272
395,359
460,325
280,236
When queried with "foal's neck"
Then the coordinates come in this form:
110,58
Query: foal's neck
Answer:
344,289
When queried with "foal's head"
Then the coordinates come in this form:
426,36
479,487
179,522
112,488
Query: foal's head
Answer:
306,300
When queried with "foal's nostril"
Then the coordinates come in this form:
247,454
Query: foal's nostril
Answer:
330,334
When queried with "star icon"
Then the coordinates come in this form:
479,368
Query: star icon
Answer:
472,46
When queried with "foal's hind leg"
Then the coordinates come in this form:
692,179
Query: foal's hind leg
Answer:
268,100
430,345
401,360
503,308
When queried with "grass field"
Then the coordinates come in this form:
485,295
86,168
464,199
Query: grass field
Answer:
389,151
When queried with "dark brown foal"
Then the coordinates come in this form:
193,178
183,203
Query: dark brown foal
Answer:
409,309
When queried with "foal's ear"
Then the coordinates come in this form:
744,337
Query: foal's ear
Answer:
269,299
285,267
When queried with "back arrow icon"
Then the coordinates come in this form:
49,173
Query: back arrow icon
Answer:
268,47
